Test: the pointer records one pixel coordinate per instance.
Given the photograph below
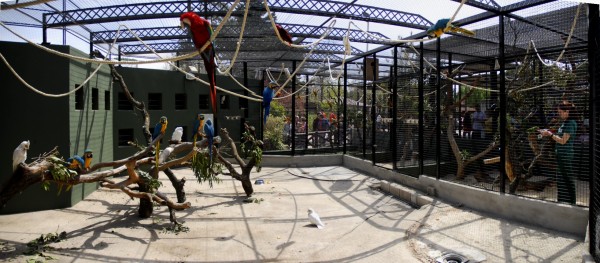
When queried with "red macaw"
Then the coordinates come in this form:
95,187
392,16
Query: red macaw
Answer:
201,32
284,34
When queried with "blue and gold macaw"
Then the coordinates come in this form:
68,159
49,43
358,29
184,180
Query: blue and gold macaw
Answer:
80,164
209,132
268,94
159,129
198,127
442,26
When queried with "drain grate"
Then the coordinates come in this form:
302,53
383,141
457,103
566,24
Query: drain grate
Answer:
452,258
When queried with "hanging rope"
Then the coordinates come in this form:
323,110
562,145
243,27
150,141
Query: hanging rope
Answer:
573,25
112,62
325,34
451,79
67,93
239,42
304,86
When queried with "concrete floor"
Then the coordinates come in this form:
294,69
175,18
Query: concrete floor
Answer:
361,224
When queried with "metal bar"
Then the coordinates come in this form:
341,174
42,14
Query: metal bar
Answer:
523,5
374,110
487,5
262,109
44,30
174,9
293,131
306,116
421,110
593,38
337,100
364,111
502,106
394,115
345,125
438,112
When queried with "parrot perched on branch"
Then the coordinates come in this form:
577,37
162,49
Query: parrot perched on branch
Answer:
159,129
20,154
268,94
442,26
198,127
284,34
80,164
201,32
209,132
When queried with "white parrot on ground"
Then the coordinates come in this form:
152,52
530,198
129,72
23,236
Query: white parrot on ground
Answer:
177,134
20,154
314,218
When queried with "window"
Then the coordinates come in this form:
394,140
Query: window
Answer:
107,100
203,102
95,99
224,102
155,101
79,98
180,101
125,135
123,103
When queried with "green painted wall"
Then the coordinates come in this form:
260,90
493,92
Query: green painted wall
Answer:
49,122
90,128
141,82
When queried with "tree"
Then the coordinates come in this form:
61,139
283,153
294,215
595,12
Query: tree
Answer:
143,185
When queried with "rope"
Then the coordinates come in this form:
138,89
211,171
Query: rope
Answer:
239,42
61,94
456,13
573,25
451,79
225,18
296,71
325,34
304,86
390,41
110,62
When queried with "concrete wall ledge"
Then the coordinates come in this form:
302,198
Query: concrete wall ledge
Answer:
550,215
411,196
302,160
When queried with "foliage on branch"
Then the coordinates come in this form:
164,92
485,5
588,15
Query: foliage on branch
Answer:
60,174
251,147
204,170
152,183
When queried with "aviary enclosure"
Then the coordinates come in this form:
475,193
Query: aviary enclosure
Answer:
481,109
512,67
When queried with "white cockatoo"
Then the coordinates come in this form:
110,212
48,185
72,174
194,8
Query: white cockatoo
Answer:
314,218
177,134
164,154
20,154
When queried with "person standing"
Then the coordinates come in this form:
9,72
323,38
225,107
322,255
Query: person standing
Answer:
478,120
467,126
564,138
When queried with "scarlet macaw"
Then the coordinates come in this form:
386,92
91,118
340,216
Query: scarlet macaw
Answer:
201,32
268,93
209,131
442,26
284,34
